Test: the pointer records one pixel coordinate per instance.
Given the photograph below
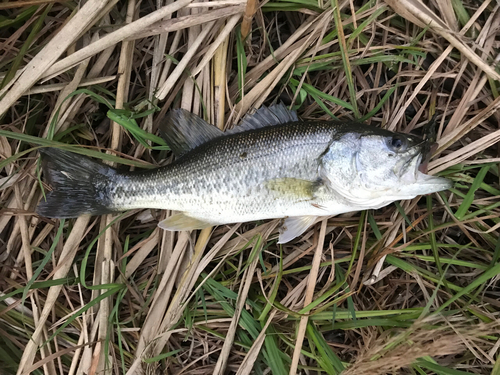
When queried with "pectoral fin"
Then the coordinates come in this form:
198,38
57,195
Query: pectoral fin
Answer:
294,227
181,221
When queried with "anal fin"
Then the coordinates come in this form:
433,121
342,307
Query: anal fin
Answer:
181,221
294,227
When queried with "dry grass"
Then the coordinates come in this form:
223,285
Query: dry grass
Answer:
390,351
408,289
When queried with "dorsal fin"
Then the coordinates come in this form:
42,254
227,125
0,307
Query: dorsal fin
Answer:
183,131
266,116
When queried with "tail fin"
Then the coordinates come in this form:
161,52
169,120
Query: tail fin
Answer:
79,184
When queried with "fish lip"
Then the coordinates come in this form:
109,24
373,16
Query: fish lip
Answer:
433,183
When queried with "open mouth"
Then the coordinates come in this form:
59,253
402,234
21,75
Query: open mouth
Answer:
426,157
415,180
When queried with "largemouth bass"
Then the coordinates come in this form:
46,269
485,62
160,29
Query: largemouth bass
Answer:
271,166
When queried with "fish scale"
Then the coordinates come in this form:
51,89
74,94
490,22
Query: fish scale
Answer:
232,171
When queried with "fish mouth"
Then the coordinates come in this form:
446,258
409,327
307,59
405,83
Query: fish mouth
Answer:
417,162
415,173
426,155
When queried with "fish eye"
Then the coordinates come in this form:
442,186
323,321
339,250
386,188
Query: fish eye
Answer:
397,143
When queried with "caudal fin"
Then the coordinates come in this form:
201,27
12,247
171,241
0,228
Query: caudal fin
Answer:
79,185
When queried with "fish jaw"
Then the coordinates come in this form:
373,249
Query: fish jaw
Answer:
425,184
415,181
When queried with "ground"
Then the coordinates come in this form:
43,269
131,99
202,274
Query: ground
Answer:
412,288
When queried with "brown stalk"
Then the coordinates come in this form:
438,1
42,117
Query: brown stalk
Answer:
311,284
65,261
246,24
52,51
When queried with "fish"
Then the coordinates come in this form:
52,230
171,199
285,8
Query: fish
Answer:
272,166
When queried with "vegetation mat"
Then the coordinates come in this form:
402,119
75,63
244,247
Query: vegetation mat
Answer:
412,288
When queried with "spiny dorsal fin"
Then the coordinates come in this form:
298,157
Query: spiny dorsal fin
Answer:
183,131
266,116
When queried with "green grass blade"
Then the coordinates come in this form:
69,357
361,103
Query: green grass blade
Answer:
478,282
124,118
45,260
345,58
63,146
441,370
24,48
469,198
329,361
